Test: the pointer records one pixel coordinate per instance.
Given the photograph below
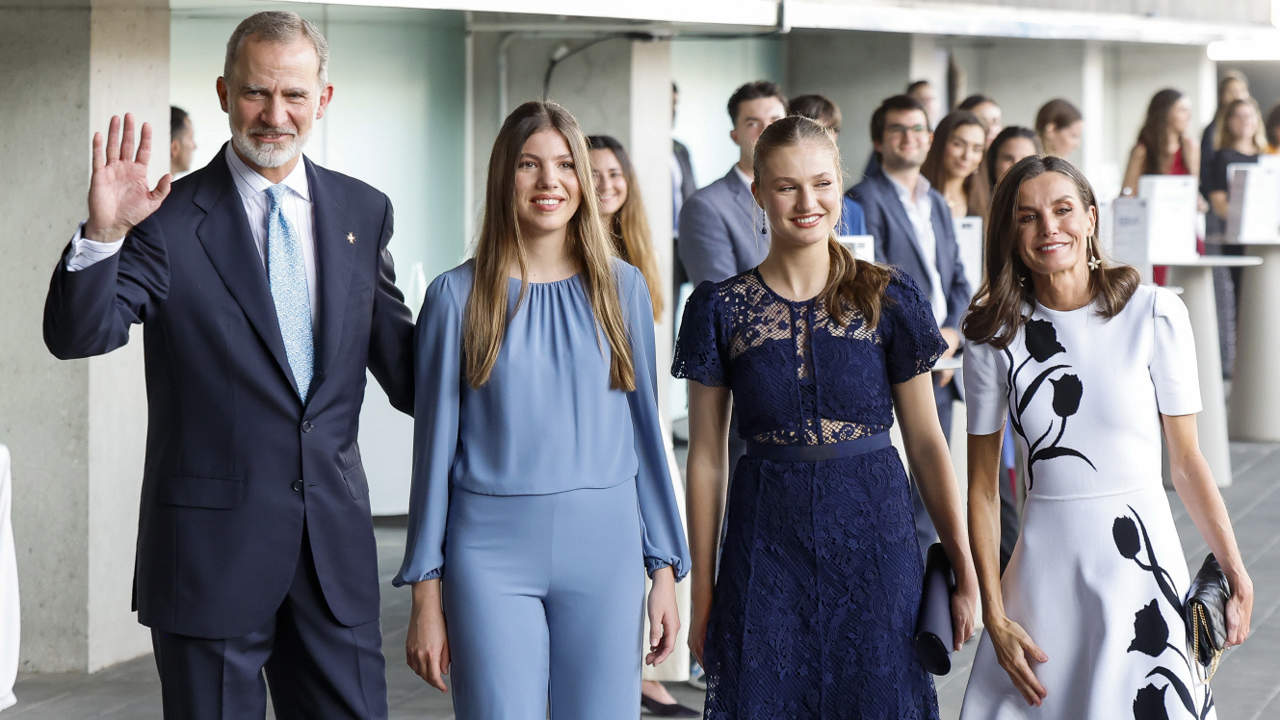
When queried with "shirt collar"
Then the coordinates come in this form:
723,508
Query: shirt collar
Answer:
742,176
905,195
250,182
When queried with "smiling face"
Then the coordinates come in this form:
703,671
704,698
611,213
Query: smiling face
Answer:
1010,152
1053,225
272,100
546,184
610,182
906,139
799,189
963,152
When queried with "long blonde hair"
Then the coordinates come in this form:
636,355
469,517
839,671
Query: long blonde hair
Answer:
500,245
629,227
853,286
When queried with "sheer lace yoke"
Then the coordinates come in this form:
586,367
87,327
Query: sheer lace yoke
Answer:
798,376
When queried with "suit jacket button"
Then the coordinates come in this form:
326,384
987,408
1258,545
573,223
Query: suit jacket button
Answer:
296,486
307,426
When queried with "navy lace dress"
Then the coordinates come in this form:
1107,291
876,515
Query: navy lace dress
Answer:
819,579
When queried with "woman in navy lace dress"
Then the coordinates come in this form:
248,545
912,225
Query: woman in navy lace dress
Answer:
814,607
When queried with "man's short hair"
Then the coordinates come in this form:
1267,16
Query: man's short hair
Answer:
177,121
916,86
277,26
895,103
974,101
754,91
816,107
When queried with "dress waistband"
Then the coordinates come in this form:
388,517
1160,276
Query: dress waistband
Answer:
815,453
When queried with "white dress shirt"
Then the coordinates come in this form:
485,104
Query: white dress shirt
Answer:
252,189
919,211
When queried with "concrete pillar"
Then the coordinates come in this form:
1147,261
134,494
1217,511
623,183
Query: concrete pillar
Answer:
855,70
75,429
929,62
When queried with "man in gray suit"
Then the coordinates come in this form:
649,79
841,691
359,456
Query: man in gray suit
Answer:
721,233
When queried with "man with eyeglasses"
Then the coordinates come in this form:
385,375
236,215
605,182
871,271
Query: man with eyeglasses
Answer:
913,232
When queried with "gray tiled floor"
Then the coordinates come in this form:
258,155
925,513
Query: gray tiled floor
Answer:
1247,685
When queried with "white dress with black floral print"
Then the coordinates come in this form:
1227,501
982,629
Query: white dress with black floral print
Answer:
1098,575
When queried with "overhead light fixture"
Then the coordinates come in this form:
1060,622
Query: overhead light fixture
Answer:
1245,50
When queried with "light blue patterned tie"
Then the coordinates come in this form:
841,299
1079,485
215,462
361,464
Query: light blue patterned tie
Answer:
288,278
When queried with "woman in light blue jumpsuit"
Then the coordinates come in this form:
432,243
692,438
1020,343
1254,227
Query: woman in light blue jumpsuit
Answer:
540,496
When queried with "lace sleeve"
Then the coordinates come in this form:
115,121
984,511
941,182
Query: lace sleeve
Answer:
699,353
912,341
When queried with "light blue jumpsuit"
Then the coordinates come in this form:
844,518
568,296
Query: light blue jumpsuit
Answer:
540,498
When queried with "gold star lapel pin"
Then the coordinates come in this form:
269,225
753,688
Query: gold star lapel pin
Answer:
351,238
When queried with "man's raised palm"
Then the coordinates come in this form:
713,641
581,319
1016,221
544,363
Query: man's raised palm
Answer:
118,194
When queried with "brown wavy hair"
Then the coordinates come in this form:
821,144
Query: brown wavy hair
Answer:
1154,134
853,286
976,193
500,245
997,311
629,229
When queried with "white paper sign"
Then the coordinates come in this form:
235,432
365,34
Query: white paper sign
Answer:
1129,234
1171,217
1254,214
863,247
969,238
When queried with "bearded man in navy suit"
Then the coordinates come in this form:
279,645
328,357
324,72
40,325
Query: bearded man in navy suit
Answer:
265,290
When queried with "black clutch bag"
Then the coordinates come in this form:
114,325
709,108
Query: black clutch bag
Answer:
1206,615
934,631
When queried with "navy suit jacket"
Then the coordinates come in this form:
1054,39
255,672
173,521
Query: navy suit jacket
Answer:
236,464
720,234
896,242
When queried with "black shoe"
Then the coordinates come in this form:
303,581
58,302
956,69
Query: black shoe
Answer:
675,709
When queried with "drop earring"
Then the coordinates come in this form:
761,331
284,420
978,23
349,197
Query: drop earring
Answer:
764,224
1094,262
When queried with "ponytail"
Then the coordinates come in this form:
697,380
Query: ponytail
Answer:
853,286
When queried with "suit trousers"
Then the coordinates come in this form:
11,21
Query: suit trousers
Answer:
543,596
316,667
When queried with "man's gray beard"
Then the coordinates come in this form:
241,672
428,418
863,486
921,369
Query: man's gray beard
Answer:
268,157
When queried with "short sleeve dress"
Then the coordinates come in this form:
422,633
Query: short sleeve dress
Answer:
819,579
1098,574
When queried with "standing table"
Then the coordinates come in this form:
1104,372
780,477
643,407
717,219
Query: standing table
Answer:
1196,279
1255,393
9,626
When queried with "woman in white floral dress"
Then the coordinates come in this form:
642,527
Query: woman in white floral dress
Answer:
1088,366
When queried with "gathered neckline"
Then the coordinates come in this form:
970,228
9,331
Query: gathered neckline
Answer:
561,281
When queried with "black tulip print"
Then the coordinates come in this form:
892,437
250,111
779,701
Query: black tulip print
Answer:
1042,340
1149,704
1151,630
1125,533
1066,395
1042,343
